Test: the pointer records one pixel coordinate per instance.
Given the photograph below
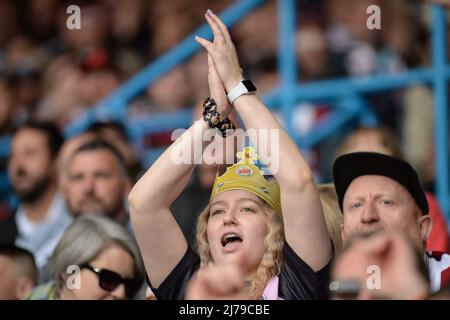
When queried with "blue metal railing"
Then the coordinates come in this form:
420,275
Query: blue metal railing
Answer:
5,142
287,64
344,92
440,85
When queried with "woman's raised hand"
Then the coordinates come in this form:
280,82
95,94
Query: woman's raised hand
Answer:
217,91
222,52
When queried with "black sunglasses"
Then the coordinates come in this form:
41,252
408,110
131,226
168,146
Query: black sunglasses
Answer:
110,280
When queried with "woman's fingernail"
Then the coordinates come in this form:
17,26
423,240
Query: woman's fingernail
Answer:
209,12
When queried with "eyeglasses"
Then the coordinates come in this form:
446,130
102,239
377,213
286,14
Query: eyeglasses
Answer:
110,280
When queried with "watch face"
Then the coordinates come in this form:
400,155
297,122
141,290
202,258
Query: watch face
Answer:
249,85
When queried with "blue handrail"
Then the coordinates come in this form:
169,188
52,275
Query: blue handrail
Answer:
287,63
441,108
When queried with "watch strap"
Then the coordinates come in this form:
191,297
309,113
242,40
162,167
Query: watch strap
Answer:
243,87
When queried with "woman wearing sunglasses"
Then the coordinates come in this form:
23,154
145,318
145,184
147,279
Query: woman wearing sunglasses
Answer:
280,244
95,259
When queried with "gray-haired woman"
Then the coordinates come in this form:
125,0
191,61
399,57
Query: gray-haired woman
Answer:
95,259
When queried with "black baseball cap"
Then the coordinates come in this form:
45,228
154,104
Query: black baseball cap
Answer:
350,166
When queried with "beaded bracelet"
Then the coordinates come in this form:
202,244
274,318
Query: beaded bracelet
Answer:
212,117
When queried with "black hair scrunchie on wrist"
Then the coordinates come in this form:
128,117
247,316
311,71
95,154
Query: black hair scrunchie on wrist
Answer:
212,117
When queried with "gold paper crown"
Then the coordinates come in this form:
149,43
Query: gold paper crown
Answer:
245,175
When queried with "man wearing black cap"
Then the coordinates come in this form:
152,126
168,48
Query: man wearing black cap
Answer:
376,190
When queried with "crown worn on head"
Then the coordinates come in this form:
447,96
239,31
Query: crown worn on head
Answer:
246,175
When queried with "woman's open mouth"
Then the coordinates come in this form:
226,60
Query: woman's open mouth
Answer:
230,238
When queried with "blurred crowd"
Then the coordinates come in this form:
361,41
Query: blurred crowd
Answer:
50,75
50,72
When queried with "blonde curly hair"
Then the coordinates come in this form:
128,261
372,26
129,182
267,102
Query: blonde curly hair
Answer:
271,261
